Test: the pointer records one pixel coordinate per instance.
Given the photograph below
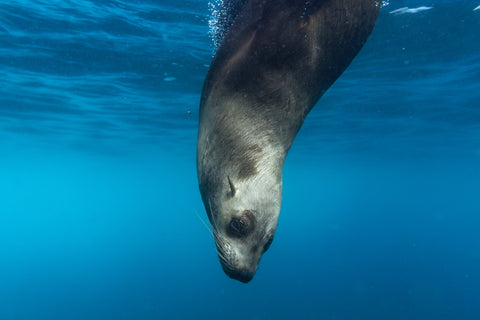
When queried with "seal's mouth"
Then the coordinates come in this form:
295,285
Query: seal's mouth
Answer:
242,275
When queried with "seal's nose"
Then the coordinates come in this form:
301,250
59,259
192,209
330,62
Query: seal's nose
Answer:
242,275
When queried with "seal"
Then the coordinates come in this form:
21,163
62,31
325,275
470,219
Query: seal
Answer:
275,60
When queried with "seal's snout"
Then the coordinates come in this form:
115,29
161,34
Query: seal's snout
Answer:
242,275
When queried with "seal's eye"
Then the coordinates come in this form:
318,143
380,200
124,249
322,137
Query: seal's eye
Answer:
242,226
238,227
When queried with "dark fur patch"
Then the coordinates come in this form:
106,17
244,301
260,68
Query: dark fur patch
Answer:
237,153
248,165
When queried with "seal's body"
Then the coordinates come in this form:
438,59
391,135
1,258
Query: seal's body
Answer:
275,61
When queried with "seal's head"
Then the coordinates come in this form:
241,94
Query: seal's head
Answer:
243,219
240,179
239,164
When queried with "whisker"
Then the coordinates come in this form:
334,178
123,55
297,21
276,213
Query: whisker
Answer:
221,256
216,234
204,223
222,245
212,215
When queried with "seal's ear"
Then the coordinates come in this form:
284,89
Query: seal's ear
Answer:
232,191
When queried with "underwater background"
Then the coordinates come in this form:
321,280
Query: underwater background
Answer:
100,213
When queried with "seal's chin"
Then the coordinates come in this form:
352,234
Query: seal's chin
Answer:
244,275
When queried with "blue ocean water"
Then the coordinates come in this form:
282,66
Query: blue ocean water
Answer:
99,204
